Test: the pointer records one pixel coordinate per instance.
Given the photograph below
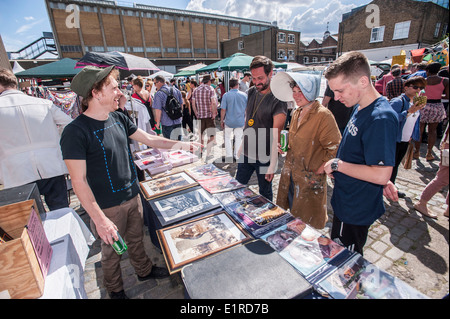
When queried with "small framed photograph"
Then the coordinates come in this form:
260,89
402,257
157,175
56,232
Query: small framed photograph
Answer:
206,171
169,184
258,215
193,240
219,184
182,205
234,196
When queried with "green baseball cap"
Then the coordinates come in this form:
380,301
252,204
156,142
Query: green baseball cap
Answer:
83,82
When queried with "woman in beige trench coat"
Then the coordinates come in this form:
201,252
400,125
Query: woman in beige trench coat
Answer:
313,140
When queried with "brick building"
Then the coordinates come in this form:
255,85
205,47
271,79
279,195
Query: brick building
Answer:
403,25
318,51
166,36
277,44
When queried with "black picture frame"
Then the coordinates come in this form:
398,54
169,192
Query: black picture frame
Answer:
183,205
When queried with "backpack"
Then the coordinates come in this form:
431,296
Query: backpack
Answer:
172,107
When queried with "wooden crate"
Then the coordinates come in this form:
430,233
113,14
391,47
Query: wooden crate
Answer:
20,273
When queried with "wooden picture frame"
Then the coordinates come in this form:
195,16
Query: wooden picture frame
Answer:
168,184
182,205
193,240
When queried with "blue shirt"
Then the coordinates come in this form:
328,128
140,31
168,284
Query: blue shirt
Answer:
234,102
159,102
422,73
368,139
401,105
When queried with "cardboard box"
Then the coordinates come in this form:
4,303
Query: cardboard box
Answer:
20,273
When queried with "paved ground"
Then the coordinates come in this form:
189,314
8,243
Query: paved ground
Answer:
402,242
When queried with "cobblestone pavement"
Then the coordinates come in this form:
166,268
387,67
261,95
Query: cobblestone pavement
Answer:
402,242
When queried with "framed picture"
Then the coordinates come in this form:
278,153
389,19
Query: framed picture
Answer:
180,157
182,205
190,241
148,154
166,185
152,161
302,246
220,184
205,172
237,195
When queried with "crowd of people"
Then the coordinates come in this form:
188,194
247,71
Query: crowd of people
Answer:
355,136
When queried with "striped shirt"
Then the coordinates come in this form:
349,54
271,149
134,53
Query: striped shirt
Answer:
203,96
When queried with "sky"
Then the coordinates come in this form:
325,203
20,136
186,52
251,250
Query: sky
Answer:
23,21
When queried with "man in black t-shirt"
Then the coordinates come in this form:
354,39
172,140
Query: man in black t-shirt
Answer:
96,151
265,116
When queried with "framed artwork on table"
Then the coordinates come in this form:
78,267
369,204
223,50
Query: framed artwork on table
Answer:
206,171
220,184
226,198
195,239
182,205
172,183
258,215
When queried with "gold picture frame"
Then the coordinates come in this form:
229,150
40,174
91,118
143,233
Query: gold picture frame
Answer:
195,239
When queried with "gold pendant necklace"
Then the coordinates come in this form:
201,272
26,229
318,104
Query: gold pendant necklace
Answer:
251,121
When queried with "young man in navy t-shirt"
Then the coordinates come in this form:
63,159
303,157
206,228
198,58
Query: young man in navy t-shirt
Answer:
366,155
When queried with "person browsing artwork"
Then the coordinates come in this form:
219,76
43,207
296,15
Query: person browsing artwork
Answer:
265,116
408,113
95,148
366,154
313,140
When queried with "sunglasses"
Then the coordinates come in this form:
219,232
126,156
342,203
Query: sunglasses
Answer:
292,84
415,87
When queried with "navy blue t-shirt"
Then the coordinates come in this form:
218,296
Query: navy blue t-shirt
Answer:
111,173
369,139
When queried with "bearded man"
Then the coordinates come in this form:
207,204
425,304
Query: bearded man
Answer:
265,116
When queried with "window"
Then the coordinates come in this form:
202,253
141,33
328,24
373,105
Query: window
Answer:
185,50
401,30
444,29
120,49
281,54
323,59
95,49
291,55
377,34
153,49
436,30
71,48
240,45
315,60
281,37
291,38
245,29
305,59
135,49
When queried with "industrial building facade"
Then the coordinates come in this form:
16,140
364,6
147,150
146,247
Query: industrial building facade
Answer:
166,36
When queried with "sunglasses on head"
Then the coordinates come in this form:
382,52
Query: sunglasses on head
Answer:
415,87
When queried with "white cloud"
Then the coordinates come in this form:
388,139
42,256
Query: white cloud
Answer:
310,17
26,27
313,22
29,18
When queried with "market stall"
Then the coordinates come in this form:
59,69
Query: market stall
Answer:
204,218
